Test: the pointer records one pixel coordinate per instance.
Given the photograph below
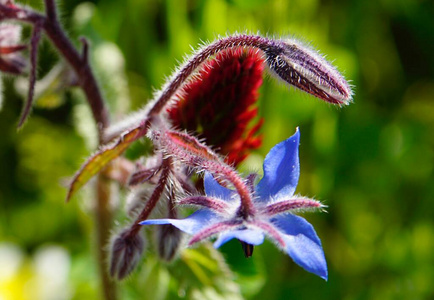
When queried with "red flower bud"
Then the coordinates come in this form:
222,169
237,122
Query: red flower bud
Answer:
219,103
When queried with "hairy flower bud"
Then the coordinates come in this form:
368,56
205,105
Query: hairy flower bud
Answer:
219,104
126,251
168,241
302,67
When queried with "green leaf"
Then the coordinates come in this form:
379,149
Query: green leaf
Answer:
102,158
200,273
250,273
203,274
155,280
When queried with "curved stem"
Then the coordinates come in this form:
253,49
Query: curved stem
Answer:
36,36
156,195
192,152
50,10
179,78
246,208
84,73
57,36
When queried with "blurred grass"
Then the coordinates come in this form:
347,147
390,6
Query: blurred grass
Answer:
371,162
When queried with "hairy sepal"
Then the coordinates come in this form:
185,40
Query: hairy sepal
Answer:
126,250
298,204
183,147
304,68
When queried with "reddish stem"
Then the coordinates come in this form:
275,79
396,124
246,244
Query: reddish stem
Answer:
156,195
246,208
56,34
36,36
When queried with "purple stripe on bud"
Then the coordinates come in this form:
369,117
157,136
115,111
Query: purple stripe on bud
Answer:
208,202
214,229
293,204
183,147
304,68
273,233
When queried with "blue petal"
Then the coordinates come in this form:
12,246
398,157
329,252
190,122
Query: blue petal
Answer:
214,189
302,243
250,236
281,170
191,225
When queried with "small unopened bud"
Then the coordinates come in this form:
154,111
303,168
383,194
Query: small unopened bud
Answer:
126,251
146,172
142,176
302,67
168,241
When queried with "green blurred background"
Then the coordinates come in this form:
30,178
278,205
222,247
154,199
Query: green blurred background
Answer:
371,162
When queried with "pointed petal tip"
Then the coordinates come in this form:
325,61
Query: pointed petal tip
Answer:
314,265
302,244
281,169
325,277
321,272
296,133
155,222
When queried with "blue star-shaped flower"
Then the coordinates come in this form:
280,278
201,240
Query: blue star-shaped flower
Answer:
273,201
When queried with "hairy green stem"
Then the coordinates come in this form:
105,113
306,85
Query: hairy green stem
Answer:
103,224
